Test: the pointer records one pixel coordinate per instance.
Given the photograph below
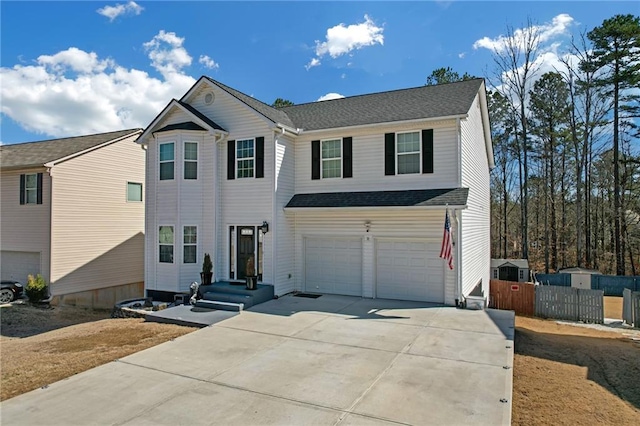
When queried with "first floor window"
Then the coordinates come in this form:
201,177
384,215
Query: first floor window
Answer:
190,160
521,274
167,157
244,158
331,158
134,191
165,241
408,149
495,274
189,247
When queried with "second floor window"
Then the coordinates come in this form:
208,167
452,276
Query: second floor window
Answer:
331,158
31,188
167,157
244,158
408,149
134,191
191,160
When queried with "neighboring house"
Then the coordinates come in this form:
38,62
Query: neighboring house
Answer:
353,192
72,210
516,270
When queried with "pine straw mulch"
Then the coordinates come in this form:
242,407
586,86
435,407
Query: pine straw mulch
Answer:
41,345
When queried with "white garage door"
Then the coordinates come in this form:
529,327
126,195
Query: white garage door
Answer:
16,265
333,265
409,270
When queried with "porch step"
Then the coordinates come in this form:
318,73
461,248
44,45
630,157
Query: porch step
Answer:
219,305
216,296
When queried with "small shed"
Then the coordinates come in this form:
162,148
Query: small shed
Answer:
516,270
580,277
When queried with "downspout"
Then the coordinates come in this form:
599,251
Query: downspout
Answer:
145,262
50,173
459,294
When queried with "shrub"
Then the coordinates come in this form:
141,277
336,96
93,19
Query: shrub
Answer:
36,289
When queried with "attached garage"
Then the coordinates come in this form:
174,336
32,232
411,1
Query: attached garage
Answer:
17,265
409,270
333,265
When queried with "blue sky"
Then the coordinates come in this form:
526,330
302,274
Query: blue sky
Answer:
73,68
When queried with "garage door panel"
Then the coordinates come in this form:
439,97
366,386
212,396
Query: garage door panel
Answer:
333,265
409,270
17,265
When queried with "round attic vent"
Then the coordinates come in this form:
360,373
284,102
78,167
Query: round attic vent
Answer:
208,98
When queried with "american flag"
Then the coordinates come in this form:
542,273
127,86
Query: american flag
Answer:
446,251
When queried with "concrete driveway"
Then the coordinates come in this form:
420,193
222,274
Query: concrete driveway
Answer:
296,361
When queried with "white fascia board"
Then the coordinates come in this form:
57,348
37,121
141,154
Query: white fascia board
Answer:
371,208
93,148
386,124
486,125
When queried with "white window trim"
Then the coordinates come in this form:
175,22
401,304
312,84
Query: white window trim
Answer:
167,161
141,192
173,261
184,161
27,189
322,160
253,140
397,154
189,244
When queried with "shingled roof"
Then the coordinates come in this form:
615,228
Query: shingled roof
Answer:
443,100
408,198
34,154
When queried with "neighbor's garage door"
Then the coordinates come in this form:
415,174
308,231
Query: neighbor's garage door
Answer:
409,270
333,265
16,265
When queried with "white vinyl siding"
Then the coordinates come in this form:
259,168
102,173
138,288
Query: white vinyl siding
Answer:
283,230
475,220
368,161
331,158
408,153
167,161
191,160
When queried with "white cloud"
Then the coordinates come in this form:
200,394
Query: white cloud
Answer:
342,39
462,55
112,12
330,96
74,92
313,63
208,62
558,26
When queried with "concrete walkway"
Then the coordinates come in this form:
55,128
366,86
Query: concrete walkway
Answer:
297,361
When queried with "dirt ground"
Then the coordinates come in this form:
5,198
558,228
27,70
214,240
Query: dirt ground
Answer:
613,307
563,375
39,346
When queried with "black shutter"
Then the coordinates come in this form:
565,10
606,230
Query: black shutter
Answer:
260,157
22,189
389,153
315,159
427,151
347,159
39,196
231,160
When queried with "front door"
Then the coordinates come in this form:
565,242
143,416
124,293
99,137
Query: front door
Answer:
246,247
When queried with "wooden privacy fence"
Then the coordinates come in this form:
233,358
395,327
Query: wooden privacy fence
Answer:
512,296
569,303
631,307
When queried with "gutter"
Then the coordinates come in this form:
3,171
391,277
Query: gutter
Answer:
368,208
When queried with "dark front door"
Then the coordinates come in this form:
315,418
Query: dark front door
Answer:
246,247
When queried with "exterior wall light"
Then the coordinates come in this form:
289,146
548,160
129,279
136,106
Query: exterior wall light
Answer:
265,227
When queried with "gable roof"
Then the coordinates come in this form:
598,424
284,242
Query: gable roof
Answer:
37,154
519,263
409,198
443,100
275,115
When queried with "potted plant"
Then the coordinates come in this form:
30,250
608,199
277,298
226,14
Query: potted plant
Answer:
207,267
252,279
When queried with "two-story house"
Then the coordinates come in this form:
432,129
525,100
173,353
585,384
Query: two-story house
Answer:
72,210
346,196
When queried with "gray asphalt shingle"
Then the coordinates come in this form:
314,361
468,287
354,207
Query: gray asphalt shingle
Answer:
407,198
40,152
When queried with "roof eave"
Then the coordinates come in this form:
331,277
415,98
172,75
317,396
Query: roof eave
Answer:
486,125
385,123
364,208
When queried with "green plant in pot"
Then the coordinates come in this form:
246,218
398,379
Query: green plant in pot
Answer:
207,267
252,279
